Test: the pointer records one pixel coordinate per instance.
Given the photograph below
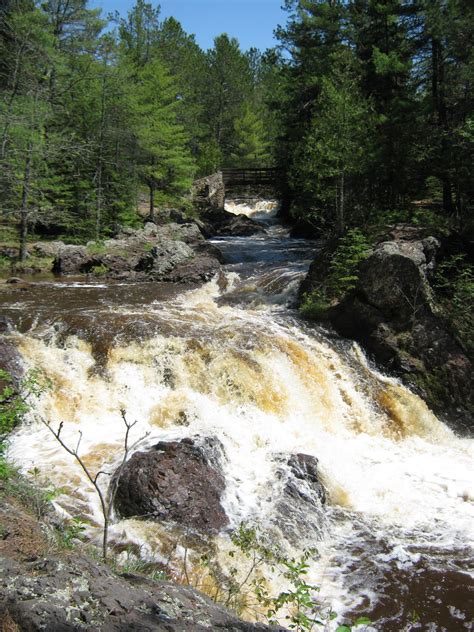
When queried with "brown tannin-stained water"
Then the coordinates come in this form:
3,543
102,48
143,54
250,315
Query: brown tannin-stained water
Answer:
233,360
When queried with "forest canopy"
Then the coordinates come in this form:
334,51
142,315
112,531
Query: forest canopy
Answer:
365,105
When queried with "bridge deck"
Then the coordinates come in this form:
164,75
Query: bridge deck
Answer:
247,176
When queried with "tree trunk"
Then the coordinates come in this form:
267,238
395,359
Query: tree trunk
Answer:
151,215
24,205
341,205
439,101
98,215
340,200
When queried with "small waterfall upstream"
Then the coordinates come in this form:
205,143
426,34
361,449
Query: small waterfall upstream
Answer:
233,360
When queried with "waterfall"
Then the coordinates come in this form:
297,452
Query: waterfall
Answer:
215,361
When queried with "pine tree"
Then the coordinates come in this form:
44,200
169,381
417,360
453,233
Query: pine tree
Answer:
336,147
164,160
251,145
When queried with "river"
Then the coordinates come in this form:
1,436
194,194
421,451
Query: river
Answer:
234,360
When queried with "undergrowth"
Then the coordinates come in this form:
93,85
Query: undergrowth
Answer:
342,274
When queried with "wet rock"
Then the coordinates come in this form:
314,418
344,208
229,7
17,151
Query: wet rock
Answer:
10,358
14,280
79,594
201,268
217,222
300,508
180,481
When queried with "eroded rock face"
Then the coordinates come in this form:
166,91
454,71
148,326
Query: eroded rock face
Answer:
300,508
393,314
180,481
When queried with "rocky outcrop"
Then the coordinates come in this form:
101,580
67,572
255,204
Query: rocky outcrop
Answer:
209,191
172,252
10,358
217,222
300,508
75,593
393,313
179,481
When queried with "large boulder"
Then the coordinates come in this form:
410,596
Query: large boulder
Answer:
179,481
393,313
70,259
217,222
172,252
209,191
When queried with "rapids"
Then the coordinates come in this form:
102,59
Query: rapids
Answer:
234,360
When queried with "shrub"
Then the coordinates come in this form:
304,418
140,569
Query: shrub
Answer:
454,283
99,270
342,275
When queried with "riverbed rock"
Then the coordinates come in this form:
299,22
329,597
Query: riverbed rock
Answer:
172,252
10,358
393,313
299,510
217,222
179,481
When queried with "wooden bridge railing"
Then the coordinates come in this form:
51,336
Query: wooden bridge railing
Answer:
245,176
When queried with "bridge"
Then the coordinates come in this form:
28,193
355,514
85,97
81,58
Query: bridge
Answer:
251,176
212,190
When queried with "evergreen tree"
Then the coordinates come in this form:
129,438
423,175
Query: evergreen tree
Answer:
251,145
336,147
164,161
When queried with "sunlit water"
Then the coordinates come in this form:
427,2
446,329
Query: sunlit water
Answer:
233,360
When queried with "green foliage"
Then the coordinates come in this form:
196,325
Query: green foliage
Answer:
96,248
342,275
7,470
15,400
251,145
299,603
71,532
455,285
99,270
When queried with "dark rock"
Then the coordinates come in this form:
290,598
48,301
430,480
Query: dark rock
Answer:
14,280
78,594
10,358
217,222
304,481
201,268
300,508
393,313
210,249
179,481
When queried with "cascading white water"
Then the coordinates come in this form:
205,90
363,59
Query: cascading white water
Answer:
215,363
256,208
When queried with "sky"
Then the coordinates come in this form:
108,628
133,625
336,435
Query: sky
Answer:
251,21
